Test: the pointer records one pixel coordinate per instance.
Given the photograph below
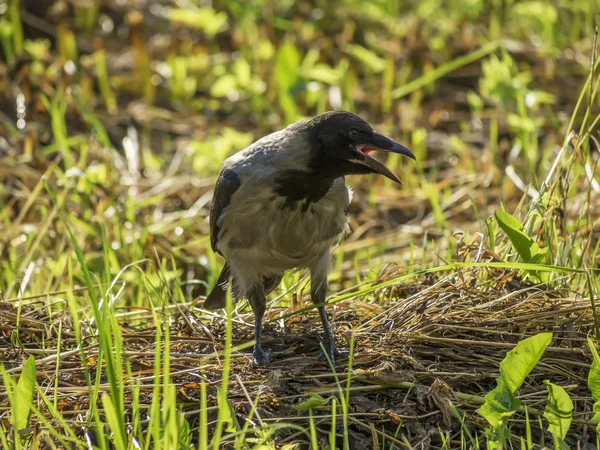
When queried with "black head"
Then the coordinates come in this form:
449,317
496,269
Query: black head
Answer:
344,141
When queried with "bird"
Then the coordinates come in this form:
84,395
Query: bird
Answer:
281,204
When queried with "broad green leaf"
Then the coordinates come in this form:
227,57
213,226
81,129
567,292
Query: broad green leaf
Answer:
526,247
559,410
507,220
312,401
499,405
521,360
501,402
594,383
24,394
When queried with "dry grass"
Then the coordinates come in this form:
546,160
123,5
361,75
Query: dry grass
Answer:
441,339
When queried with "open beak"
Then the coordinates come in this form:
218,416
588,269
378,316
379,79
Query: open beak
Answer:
381,142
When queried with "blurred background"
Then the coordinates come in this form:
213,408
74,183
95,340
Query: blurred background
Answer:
130,107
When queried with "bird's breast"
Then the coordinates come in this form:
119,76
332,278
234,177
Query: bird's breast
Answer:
263,228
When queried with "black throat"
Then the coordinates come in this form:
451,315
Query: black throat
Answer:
310,186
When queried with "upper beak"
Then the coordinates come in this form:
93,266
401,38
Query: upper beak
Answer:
381,142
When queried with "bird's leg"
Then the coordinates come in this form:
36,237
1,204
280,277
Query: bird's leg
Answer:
319,294
258,302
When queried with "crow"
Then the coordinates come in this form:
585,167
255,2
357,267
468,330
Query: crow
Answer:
282,203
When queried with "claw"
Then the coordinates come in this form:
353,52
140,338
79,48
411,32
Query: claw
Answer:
332,353
261,356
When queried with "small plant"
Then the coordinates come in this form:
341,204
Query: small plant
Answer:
501,403
526,247
20,398
559,414
594,383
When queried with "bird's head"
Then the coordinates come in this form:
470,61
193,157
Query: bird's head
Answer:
346,141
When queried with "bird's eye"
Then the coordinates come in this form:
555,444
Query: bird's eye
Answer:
352,133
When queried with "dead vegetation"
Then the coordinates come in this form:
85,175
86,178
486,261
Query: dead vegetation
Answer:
440,341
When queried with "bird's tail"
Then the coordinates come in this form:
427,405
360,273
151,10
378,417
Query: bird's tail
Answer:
218,296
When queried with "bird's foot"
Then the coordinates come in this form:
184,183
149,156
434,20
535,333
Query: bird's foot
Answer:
332,354
261,356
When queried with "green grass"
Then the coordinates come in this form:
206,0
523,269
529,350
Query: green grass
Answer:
105,256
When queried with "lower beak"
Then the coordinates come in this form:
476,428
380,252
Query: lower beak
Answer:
381,142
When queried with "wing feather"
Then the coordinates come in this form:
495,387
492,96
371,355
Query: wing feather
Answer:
227,183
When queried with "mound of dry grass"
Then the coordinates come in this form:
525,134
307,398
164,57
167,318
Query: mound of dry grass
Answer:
438,342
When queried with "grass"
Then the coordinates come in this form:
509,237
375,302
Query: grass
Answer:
113,124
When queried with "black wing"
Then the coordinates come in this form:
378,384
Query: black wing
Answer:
227,183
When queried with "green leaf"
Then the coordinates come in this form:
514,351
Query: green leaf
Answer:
526,247
24,394
594,383
521,360
559,410
311,402
501,403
